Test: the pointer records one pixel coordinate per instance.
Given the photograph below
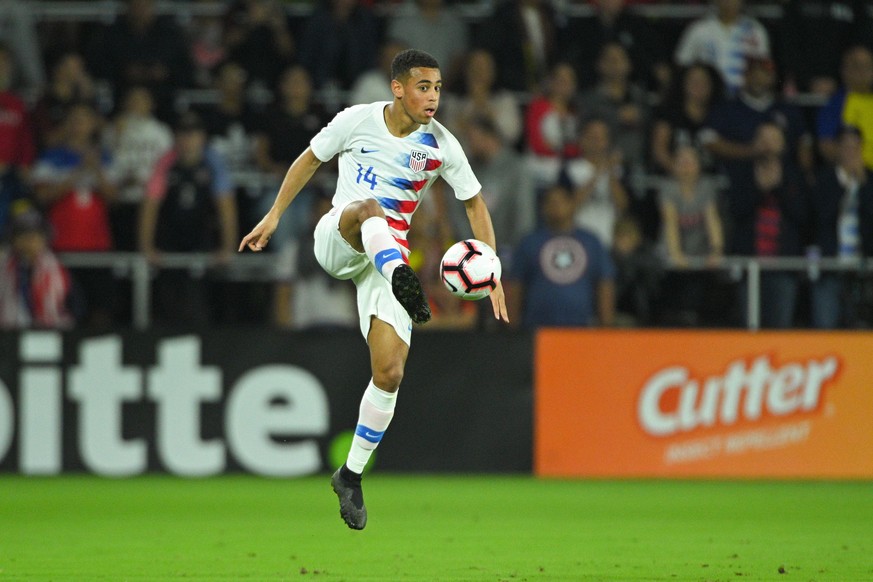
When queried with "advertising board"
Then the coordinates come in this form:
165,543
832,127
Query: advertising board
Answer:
703,404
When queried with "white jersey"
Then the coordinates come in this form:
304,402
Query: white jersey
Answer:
395,171
724,47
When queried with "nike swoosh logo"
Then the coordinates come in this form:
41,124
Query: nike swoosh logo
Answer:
371,435
366,151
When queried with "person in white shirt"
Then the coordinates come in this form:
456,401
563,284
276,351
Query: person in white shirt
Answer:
390,153
598,181
724,40
137,140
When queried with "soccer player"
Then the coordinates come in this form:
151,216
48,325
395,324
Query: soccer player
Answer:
389,154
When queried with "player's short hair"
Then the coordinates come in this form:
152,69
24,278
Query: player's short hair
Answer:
409,59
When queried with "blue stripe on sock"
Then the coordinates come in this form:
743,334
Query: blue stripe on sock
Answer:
383,257
374,436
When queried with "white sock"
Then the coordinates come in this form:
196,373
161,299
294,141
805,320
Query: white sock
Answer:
377,409
380,246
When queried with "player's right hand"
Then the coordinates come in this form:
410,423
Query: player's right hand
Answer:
258,238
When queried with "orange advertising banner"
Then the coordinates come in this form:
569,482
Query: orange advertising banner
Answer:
612,403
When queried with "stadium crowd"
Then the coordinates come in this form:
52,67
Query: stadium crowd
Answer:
618,155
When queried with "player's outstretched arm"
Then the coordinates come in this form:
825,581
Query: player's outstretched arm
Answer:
483,229
296,178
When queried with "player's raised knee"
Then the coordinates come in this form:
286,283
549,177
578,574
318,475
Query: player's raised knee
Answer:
365,209
388,377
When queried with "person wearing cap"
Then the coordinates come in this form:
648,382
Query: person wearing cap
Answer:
189,207
34,286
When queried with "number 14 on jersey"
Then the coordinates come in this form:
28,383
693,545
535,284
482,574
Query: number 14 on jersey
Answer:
367,176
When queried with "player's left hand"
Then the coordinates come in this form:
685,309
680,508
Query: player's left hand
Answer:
498,302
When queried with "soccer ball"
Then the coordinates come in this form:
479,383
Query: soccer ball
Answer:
470,269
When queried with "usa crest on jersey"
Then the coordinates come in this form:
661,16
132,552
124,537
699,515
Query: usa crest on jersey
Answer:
417,160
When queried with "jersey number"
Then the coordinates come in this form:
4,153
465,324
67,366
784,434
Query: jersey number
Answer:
367,176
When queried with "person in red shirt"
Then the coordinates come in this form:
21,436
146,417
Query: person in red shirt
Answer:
551,132
17,148
72,181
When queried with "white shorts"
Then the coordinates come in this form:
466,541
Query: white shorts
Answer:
342,261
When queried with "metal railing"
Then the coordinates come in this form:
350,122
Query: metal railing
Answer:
752,267
252,267
247,267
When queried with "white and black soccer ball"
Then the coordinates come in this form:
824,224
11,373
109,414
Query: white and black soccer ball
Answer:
470,269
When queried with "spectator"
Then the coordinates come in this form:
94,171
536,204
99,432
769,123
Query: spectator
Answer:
621,103
291,122
137,140
858,112
69,84
306,296
34,286
257,36
856,73
551,125
523,36
638,275
842,204
340,40
17,149
481,99
692,229
189,207
680,121
141,48
13,193
613,23
725,40
208,49
434,27
506,186
836,25
232,124
598,181
375,84
561,275
733,124
74,182
769,217
692,225
18,27
286,130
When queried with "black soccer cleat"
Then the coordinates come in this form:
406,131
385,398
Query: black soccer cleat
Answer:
407,289
351,498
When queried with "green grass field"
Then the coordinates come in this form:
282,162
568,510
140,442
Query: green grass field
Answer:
432,528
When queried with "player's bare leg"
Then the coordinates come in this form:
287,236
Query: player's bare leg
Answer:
387,359
363,225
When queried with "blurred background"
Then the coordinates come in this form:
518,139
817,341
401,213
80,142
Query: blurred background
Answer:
652,168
